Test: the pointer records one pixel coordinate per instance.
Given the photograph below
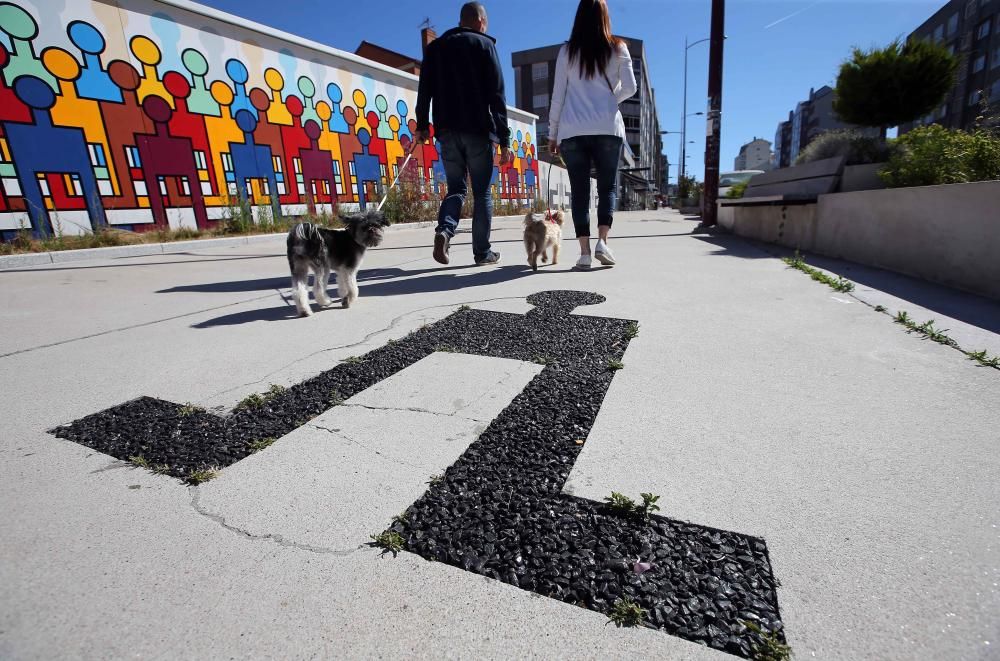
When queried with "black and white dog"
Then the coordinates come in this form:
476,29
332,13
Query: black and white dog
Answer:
324,250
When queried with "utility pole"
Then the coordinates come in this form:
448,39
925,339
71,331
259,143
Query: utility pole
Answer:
713,140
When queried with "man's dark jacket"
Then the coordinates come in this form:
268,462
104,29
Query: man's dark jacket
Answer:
461,74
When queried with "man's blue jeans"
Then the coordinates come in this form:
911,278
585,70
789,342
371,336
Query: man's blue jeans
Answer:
602,153
467,154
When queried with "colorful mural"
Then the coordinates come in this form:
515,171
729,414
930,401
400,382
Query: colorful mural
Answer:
158,116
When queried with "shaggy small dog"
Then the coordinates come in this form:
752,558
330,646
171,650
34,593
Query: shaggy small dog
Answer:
324,250
542,230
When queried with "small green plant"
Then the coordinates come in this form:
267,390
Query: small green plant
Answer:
840,284
770,647
902,317
737,190
259,444
542,360
620,504
335,398
436,479
879,308
196,477
632,330
614,365
389,541
626,613
189,409
352,360
648,505
139,461
275,390
445,348
463,308
252,401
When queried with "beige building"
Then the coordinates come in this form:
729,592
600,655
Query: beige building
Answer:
754,155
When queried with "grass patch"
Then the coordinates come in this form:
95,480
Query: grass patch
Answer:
626,613
839,283
614,365
259,444
770,647
201,475
436,479
632,330
463,308
139,461
257,400
389,541
542,360
446,348
189,409
928,330
352,360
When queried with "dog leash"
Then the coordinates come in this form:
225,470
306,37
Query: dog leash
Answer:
398,175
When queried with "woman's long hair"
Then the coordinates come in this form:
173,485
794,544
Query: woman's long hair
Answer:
591,43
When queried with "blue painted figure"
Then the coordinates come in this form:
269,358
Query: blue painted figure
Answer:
366,166
253,161
337,122
42,148
238,73
94,82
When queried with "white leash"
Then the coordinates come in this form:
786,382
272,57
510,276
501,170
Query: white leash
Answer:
398,175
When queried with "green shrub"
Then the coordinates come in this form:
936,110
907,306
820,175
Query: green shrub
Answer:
856,147
932,155
737,190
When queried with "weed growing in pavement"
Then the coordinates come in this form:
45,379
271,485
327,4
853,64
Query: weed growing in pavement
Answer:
189,409
622,505
445,348
770,647
352,360
928,330
139,461
542,360
632,330
626,613
259,444
463,308
614,365
840,284
257,400
879,308
389,541
436,479
201,475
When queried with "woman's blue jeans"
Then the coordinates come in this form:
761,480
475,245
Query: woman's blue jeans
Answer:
602,153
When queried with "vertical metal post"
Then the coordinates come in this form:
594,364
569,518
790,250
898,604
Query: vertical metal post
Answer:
713,139
684,113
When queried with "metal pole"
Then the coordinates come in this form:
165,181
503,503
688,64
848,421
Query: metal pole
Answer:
684,113
713,139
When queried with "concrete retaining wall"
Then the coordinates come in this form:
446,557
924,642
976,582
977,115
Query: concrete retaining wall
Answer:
946,234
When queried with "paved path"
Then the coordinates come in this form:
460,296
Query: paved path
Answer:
753,400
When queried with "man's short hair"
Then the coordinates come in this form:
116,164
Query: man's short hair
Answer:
472,12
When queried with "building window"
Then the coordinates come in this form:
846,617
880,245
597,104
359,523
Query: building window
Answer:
939,33
979,64
983,30
953,25
539,71
540,101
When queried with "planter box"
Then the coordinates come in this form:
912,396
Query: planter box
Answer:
946,234
861,177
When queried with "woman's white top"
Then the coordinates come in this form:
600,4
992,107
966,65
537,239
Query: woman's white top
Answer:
587,106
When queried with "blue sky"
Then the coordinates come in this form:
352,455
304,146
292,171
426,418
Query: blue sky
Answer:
776,49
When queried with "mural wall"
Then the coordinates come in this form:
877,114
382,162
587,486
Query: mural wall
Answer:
164,114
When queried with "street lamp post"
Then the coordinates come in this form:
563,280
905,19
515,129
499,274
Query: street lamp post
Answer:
684,113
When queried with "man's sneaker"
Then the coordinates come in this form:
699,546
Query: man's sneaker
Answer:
492,257
603,254
583,263
441,246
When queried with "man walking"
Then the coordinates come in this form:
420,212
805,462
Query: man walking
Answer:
461,75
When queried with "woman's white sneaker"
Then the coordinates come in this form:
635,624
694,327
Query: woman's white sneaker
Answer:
603,254
583,263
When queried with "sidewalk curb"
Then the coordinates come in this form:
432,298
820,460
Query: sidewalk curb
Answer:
146,249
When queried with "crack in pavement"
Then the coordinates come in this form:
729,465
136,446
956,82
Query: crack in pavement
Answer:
339,433
276,539
413,409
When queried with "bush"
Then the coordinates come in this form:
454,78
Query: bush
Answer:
859,149
413,198
933,155
889,86
737,190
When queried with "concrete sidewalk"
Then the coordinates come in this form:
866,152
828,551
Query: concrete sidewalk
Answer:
753,400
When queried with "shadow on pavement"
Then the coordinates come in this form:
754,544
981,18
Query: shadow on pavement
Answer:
434,283
968,308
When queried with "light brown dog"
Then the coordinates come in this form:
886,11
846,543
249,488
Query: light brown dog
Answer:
541,231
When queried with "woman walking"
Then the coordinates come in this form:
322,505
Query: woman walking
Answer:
593,75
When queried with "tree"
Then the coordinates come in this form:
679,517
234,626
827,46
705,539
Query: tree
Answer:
886,87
